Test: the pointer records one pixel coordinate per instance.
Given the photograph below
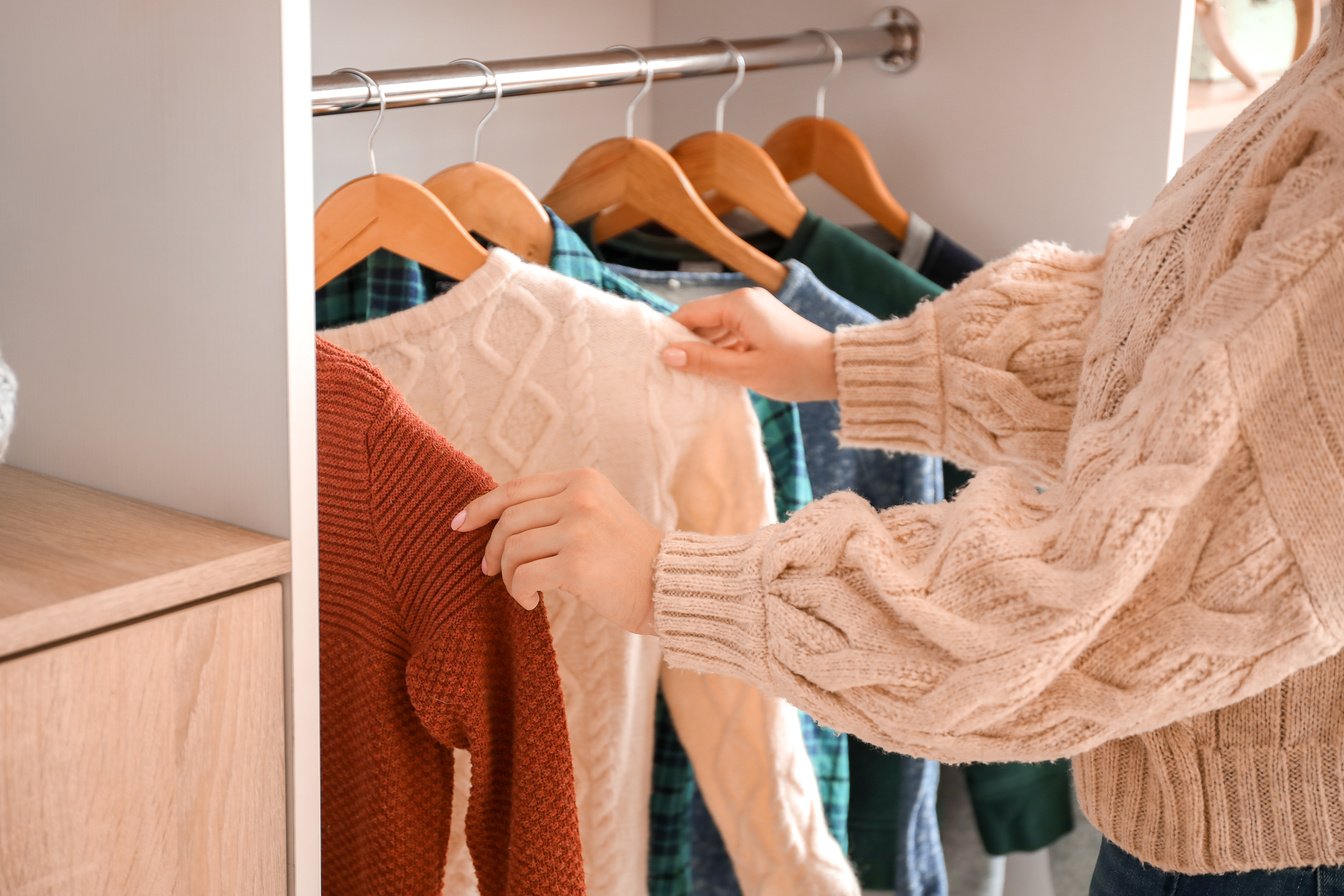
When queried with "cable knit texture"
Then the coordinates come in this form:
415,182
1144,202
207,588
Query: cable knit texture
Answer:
421,654
530,371
9,393
1169,607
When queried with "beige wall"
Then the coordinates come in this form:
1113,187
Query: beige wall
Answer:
1029,120
1033,119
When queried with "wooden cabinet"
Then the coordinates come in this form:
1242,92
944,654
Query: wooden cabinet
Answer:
142,698
149,758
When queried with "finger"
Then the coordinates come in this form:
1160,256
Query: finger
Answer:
490,505
527,547
714,334
732,341
531,580
723,311
517,519
708,360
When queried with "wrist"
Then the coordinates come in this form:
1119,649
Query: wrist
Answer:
822,369
646,627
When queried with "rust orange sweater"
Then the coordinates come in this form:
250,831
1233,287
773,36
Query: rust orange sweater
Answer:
420,654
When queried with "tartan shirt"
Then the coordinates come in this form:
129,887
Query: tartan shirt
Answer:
385,283
382,284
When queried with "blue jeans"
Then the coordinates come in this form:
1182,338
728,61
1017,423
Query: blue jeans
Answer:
1120,874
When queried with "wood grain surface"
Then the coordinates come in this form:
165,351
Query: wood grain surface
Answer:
149,759
74,560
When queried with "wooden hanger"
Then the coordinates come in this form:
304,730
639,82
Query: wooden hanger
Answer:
824,147
386,211
727,165
644,176
828,149
490,201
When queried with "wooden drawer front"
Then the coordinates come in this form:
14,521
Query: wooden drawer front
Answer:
149,759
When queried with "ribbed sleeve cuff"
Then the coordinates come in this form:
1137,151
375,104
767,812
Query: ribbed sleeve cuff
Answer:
709,603
890,383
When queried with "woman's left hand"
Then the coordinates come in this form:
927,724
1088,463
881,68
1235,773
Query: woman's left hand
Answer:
570,532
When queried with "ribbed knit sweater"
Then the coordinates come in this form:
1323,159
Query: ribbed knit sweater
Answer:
1168,608
421,654
528,371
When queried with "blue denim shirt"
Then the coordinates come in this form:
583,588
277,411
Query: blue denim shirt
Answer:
884,480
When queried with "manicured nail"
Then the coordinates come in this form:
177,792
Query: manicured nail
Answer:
674,357
536,603
459,520
484,569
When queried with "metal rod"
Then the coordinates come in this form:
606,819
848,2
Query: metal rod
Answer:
895,43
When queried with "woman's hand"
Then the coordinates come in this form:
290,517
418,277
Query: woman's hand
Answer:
759,343
570,532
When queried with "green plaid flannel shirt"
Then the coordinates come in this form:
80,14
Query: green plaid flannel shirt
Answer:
381,284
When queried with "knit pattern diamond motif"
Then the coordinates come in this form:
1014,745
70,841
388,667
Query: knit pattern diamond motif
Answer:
421,654
529,371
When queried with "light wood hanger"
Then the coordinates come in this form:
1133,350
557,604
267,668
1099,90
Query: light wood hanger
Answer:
824,147
724,164
492,202
643,175
386,211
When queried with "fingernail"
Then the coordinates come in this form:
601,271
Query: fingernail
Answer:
674,357
484,569
536,603
459,520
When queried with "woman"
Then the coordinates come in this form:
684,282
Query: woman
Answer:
1147,573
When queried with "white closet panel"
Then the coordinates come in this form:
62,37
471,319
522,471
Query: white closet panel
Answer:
142,287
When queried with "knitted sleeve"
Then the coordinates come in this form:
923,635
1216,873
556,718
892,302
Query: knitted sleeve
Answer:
1152,583
746,747
482,673
986,373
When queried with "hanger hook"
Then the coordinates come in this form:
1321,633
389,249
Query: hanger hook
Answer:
648,85
492,80
741,61
839,56
382,107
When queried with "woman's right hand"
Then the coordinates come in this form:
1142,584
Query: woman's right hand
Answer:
755,341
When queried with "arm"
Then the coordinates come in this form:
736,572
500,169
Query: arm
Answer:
1186,559
1150,585
986,373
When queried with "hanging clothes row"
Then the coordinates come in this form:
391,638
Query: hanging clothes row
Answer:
531,346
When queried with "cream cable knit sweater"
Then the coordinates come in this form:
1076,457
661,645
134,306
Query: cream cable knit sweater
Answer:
1170,609
527,371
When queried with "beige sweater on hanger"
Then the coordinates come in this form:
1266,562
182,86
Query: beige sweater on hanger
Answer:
1169,610
526,370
